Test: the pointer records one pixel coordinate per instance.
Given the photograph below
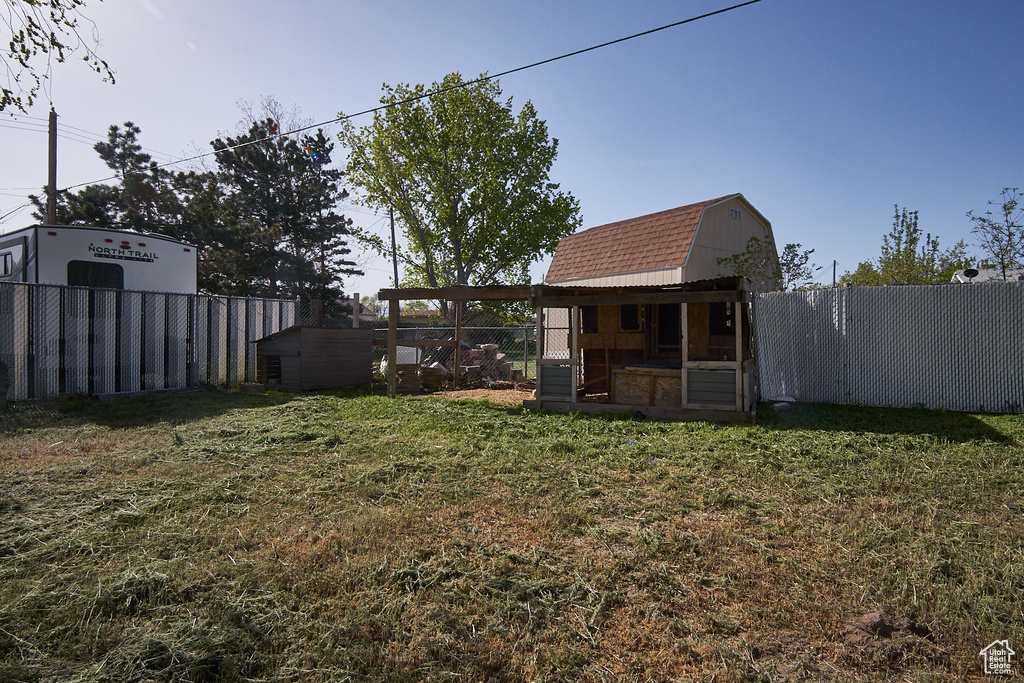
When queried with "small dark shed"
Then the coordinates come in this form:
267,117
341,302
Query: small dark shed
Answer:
310,358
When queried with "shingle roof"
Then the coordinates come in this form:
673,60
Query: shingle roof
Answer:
657,240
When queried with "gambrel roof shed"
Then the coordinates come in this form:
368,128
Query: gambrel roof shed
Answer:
668,247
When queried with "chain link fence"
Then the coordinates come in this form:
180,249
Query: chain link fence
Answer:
494,353
319,313
944,347
72,340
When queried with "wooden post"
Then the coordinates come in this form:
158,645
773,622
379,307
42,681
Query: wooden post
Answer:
738,312
393,347
574,351
357,310
526,352
458,345
684,342
51,185
538,345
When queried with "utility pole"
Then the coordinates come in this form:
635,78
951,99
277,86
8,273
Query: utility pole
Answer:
394,248
51,185
833,273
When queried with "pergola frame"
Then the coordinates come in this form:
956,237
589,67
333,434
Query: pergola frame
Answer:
542,297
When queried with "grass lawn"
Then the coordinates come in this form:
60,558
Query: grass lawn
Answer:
220,536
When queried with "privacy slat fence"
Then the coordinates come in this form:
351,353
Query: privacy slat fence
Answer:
947,347
955,347
56,340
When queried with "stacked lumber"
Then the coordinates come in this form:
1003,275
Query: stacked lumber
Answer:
486,363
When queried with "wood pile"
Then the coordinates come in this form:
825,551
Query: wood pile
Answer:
485,363
434,378
409,380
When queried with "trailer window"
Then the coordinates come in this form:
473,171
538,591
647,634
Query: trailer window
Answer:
101,275
6,264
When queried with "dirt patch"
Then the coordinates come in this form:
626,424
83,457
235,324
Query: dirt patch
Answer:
881,625
492,395
883,640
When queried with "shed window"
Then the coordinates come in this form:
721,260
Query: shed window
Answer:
669,330
720,318
588,319
6,264
630,319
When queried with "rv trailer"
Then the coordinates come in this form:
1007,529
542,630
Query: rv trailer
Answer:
97,257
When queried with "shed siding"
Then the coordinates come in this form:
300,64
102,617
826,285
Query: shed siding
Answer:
721,236
285,345
663,276
555,381
333,357
321,358
291,369
711,387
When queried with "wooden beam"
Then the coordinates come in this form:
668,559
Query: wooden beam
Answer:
490,293
635,297
551,295
574,351
418,343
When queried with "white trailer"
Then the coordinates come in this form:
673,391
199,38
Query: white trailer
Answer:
98,257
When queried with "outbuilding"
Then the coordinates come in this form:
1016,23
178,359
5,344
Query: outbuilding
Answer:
312,358
664,248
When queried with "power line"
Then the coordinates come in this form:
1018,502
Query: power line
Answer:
15,210
438,91
71,133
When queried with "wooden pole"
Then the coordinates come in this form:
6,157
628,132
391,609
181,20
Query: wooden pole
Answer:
393,305
51,186
574,364
684,343
740,399
394,244
458,345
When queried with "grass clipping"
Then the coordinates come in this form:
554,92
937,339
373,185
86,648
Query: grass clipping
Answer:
346,536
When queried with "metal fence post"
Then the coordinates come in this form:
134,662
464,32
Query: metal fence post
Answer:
62,385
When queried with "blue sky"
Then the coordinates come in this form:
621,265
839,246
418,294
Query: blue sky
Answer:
823,114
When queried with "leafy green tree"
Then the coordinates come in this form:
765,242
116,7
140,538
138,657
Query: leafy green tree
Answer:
796,266
907,259
468,179
1002,235
758,262
46,30
768,271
